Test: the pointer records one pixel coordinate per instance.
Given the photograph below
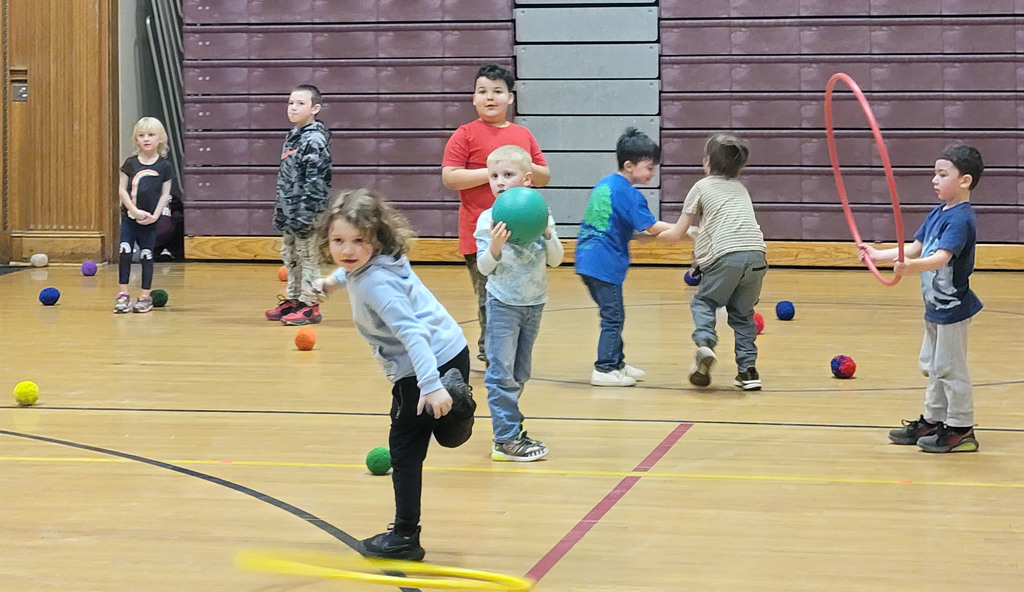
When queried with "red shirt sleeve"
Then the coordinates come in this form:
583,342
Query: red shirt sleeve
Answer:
456,151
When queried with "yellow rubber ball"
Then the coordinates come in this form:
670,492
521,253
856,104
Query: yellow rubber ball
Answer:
26,393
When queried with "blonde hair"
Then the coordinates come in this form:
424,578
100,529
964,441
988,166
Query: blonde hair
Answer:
511,153
386,229
150,124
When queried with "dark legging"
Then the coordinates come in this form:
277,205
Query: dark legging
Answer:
145,235
410,435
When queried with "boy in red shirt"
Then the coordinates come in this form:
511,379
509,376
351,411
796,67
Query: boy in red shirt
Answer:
464,167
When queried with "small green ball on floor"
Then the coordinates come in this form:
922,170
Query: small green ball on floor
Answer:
379,461
159,298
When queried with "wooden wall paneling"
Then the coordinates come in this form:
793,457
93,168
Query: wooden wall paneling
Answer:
62,165
5,105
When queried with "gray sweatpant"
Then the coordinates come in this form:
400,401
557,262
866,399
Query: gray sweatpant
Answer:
950,396
733,281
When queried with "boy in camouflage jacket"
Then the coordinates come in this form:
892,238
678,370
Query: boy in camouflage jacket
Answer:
303,190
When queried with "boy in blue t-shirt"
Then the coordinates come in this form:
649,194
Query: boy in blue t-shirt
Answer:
616,211
943,253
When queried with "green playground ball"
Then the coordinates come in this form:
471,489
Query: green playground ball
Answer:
159,297
379,461
524,212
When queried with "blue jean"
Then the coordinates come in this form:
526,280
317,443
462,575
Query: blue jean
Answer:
511,332
733,281
610,305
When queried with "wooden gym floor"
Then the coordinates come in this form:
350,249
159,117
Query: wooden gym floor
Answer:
165,442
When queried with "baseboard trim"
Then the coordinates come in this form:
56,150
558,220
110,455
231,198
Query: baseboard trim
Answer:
442,250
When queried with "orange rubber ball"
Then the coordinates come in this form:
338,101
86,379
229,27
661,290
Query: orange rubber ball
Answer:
305,338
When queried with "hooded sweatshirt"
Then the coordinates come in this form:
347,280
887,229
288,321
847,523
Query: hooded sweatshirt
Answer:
304,179
409,331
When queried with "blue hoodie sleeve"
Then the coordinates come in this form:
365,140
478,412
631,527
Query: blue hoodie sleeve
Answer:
396,312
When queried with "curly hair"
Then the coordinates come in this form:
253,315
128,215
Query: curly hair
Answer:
386,229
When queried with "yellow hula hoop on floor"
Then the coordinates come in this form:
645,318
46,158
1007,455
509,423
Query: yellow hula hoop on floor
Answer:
352,567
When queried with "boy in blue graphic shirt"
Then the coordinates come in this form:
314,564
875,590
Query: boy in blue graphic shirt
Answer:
615,212
943,253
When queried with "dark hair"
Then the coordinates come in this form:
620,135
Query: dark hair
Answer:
313,91
495,72
726,154
966,159
384,226
634,146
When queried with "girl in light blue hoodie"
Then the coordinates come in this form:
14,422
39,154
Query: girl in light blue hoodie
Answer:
418,344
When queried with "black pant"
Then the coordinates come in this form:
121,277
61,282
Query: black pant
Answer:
410,435
145,235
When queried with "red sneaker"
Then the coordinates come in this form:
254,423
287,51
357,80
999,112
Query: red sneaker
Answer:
303,315
284,307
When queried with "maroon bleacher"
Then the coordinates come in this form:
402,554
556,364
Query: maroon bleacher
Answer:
397,78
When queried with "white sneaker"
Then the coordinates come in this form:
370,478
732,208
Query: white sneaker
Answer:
704,359
634,373
613,378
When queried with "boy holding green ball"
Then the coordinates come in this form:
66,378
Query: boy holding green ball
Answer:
516,292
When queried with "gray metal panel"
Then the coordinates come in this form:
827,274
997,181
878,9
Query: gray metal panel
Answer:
584,169
587,61
540,25
568,205
586,132
597,97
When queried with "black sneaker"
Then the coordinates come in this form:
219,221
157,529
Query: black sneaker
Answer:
391,545
947,439
912,431
748,380
452,430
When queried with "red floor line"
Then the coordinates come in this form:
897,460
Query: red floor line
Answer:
582,527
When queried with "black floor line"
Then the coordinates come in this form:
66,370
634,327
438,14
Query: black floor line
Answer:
296,511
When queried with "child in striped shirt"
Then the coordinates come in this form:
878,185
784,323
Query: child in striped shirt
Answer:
729,253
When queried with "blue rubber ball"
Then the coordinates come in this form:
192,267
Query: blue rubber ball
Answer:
692,280
49,296
785,311
524,212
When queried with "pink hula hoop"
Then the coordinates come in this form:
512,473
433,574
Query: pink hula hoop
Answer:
882,153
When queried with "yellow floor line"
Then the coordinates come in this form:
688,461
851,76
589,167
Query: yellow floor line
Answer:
540,471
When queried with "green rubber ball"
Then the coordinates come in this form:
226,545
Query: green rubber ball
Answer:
379,461
524,212
159,297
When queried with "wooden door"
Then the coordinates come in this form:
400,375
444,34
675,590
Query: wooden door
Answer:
59,109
